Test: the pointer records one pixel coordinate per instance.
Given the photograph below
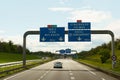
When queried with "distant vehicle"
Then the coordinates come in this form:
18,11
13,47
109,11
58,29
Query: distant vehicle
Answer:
58,65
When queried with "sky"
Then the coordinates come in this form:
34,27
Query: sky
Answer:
19,16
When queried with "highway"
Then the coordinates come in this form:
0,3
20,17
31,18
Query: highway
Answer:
71,71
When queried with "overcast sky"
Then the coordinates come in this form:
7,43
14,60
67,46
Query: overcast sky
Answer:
19,16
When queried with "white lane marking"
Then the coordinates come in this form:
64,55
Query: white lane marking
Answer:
72,78
90,71
41,77
15,75
103,78
45,74
71,73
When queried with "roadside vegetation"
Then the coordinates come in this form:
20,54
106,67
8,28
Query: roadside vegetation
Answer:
12,57
10,52
100,57
9,70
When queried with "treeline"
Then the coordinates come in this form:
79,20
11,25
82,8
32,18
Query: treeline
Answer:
103,50
9,47
43,54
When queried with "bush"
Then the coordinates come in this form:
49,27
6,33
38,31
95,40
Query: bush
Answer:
105,55
118,46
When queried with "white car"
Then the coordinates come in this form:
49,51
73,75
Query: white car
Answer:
58,65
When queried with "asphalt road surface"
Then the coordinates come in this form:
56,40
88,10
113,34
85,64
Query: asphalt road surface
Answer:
71,71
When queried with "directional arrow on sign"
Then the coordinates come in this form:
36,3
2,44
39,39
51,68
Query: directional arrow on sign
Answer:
43,39
52,34
79,38
61,39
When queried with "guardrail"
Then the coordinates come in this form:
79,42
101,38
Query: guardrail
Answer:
15,63
16,66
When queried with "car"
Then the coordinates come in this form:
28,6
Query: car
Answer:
58,65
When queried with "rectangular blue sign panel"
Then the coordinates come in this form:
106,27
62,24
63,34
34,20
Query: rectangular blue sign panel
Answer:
79,35
62,51
52,34
68,50
77,25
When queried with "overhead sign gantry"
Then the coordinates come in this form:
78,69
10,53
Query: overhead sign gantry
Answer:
59,38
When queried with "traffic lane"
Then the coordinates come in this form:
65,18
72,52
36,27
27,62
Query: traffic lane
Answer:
32,74
71,71
82,72
77,71
58,73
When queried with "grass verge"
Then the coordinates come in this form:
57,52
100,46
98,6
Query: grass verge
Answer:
107,67
12,57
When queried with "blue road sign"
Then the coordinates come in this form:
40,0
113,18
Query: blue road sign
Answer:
52,34
68,50
79,35
77,25
62,51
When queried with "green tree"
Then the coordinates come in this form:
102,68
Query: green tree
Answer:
118,46
105,55
10,43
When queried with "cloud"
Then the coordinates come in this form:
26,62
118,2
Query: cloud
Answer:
16,39
89,15
2,31
114,27
62,9
86,14
32,29
63,1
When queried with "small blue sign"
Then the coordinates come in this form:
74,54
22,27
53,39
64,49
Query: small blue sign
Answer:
79,35
68,50
52,34
62,51
77,25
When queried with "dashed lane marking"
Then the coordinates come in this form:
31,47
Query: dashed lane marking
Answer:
72,78
71,73
44,74
41,77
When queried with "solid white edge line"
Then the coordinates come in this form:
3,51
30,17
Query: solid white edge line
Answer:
90,71
15,75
